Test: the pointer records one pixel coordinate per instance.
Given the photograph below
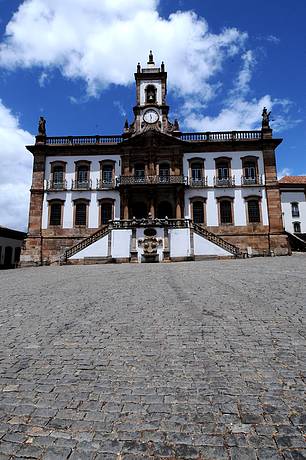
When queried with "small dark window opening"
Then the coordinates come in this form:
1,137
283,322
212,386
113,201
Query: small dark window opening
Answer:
82,173
80,214
55,214
297,227
253,211
107,174
198,212
196,171
226,212
106,213
295,210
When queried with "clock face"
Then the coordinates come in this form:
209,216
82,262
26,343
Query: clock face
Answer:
151,116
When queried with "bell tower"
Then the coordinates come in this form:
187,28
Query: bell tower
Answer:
151,109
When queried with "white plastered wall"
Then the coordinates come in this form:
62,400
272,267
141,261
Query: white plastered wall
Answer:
238,193
294,196
92,195
203,247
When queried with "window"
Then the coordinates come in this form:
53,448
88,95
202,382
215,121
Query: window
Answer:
55,213
295,210
253,211
164,172
82,176
151,94
297,227
107,174
226,212
106,212
223,172
196,171
58,174
139,172
249,169
81,213
198,212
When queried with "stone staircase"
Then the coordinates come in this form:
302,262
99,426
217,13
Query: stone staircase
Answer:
296,243
202,231
103,231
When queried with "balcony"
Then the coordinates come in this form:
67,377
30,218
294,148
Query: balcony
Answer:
249,181
106,184
81,185
152,180
53,186
198,183
224,181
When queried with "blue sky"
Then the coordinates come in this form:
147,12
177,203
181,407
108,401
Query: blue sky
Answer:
73,62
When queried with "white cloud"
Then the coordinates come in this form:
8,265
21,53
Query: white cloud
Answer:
284,172
101,41
121,109
15,171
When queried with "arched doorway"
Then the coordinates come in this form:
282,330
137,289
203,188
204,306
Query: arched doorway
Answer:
164,209
8,256
139,210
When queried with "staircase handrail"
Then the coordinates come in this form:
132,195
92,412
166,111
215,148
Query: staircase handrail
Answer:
217,240
84,243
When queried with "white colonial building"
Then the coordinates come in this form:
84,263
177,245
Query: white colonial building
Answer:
154,193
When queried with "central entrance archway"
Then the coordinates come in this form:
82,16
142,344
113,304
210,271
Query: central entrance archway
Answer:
140,210
164,209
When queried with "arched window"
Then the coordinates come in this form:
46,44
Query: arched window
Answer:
223,169
80,213
196,171
226,215
57,177
253,211
55,213
82,176
198,212
297,227
106,211
250,171
295,209
151,94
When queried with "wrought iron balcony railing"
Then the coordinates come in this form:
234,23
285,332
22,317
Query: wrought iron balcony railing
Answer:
198,183
134,180
56,185
103,184
224,181
257,180
81,185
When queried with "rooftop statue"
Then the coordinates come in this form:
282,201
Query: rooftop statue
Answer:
42,126
266,118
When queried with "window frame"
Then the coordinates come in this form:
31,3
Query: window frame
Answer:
231,201
299,224
250,180
258,200
219,164
75,204
295,213
50,204
198,199
108,201
79,164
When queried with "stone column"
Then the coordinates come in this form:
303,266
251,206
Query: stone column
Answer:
32,252
166,251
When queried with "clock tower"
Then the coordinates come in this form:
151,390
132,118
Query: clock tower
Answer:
151,109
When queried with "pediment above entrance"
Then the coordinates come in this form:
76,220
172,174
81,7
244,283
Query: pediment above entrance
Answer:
152,138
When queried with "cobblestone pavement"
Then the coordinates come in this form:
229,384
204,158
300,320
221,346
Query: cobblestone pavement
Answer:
200,360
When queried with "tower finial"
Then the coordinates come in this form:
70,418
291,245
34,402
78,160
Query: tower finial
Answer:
151,58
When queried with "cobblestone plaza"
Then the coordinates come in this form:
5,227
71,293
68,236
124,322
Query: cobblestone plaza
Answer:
199,360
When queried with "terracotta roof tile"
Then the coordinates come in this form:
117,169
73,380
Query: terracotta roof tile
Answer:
293,180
